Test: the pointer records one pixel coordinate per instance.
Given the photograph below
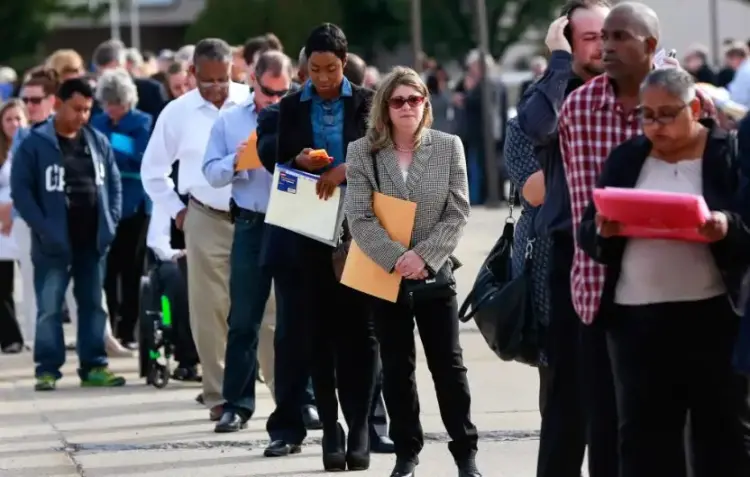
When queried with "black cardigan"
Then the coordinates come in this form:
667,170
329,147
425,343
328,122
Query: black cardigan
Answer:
720,190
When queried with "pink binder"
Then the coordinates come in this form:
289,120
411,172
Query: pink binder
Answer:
654,214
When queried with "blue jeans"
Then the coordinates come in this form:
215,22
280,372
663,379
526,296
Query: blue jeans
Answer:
51,280
741,359
475,171
249,287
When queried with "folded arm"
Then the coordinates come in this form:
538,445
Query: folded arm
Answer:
444,237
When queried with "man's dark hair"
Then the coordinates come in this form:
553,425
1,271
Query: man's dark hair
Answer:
47,79
574,5
75,86
273,42
110,51
253,46
327,38
354,70
274,62
212,49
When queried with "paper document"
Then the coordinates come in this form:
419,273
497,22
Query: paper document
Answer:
249,159
294,205
360,271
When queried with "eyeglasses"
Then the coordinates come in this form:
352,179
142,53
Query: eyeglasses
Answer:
35,100
272,92
398,102
663,117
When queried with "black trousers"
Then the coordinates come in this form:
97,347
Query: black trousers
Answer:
172,281
378,414
343,349
123,278
576,398
671,360
10,333
437,321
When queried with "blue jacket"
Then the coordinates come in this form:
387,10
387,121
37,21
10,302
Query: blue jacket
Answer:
39,196
135,125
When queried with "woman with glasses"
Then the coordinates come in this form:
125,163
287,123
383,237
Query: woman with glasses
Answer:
403,158
673,302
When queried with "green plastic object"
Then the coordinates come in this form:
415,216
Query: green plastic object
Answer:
166,311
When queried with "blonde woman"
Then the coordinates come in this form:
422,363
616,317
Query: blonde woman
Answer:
403,158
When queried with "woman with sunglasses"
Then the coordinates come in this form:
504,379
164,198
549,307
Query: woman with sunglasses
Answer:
403,158
674,324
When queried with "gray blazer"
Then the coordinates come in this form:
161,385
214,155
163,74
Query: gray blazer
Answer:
436,182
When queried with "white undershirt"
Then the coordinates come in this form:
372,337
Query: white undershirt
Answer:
663,271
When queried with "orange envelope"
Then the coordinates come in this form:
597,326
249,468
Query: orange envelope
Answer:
249,159
360,271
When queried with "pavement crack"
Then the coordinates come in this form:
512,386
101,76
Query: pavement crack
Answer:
72,448
67,448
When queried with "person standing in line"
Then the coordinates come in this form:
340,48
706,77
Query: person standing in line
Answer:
575,43
66,187
128,130
249,283
181,134
315,310
596,118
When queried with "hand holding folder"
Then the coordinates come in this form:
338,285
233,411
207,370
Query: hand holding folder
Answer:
360,271
248,159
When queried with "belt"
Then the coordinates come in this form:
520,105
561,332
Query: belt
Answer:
223,214
248,214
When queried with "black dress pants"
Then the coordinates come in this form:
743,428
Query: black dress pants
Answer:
123,278
10,333
437,321
671,360
343,348
172,280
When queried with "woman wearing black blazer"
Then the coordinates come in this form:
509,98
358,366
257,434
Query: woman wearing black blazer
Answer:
674,323
316,311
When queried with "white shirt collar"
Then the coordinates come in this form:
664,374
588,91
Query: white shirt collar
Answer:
238,93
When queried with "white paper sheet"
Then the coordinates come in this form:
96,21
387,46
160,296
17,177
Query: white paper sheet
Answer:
294,205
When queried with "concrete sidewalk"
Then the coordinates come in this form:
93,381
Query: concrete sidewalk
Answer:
145,432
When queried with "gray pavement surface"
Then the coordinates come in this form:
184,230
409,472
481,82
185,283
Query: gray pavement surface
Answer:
145,432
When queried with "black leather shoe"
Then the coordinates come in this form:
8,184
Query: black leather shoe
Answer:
404,468
334,454
381,444
231,422
311,419
358,449
281,448
468,468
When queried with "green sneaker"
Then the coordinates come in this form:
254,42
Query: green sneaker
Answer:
45,382
102,378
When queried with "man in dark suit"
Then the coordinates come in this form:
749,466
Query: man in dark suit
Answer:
152,97
318,312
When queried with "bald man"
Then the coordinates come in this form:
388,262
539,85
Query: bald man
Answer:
609,104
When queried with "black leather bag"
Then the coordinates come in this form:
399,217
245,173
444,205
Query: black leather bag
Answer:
438,284
501,305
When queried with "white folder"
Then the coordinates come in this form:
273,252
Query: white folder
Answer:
294,205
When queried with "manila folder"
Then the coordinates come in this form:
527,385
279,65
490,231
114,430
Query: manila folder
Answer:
360,271
249,158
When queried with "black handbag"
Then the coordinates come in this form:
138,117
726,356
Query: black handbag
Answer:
438,284
501,305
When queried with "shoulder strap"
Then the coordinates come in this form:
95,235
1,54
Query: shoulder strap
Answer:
375,170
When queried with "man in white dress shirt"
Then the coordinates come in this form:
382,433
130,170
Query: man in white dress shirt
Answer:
181,134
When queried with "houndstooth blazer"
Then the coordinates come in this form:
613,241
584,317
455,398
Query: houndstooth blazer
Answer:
436,182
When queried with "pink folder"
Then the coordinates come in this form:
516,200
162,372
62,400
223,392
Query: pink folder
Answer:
654,214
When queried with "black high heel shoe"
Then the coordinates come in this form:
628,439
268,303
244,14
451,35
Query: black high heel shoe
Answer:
358,449
334,454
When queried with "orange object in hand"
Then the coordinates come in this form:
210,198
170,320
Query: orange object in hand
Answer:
320,153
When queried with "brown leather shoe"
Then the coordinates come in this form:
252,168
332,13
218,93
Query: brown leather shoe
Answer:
216,412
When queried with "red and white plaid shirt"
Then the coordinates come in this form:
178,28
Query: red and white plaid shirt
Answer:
592,123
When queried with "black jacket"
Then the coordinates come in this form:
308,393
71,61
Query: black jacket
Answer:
282,248
720,190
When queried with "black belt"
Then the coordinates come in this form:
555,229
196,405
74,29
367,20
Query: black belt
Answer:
247,214
220,213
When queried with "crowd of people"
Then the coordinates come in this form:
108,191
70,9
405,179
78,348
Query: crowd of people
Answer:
136,170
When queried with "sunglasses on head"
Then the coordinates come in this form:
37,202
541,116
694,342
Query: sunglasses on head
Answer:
398,102
36,100
272,92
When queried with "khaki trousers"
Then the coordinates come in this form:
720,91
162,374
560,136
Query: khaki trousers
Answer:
208,239
265,342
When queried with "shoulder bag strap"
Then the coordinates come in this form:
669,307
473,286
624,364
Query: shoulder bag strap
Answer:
375,170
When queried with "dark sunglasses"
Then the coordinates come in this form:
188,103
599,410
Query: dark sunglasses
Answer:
272,92
36,100
398,102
